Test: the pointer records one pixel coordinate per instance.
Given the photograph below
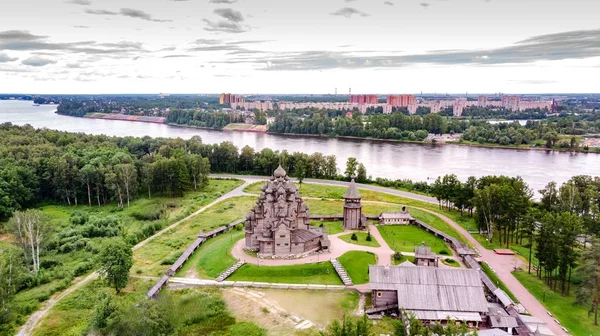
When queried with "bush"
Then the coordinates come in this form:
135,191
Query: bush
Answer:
444,252
368,236
397,256
150,214
354,237
78,218
82,268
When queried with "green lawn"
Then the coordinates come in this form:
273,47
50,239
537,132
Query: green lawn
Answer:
403,259
404,238
362,239
488,271
155,257
521,251
450,262
574,318
319,273
357,264
332,227
212,257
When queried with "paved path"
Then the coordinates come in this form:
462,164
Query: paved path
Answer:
35,318
503,265
338,247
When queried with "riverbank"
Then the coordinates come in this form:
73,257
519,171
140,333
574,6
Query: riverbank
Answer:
125,117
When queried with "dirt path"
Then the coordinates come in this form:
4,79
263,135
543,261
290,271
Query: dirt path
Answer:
35,318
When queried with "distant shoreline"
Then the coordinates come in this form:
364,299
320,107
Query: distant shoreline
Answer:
457,143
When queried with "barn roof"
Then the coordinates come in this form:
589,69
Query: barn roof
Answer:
430,288
424,251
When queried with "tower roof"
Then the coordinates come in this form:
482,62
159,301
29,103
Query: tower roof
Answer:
352,192
280,172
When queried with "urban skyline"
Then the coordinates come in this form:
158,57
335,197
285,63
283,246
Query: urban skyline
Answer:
265,46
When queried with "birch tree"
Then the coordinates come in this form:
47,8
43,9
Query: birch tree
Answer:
31,231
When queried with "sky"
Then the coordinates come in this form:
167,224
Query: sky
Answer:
299,46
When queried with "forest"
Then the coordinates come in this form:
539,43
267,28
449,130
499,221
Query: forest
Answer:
557,234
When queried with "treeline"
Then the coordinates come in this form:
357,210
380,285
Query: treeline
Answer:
396,125
148,105
216,120
555,230
48,165
498,112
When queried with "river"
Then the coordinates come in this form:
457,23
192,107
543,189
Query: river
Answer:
382,159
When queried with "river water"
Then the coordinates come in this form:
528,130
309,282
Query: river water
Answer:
382,159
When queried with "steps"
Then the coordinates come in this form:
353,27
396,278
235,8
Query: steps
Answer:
230,271
342,272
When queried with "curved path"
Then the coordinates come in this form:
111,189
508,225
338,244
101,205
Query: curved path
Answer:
502,265
35,318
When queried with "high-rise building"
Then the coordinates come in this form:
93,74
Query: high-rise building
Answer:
482,101
228,98
363,99
400,100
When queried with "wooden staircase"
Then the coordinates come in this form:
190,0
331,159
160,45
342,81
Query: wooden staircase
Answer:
230,271
342,272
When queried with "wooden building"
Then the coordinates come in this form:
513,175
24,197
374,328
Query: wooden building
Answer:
424,256
396,218
431,294
279,223
353,217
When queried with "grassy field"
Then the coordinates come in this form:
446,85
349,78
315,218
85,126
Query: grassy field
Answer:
332,227
403,259
574,318
70,316
357,264
212,257
404,238
361,239
155,257
66,264
336,192
488,271
319,273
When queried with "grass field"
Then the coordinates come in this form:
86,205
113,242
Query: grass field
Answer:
155,257
357,264
403,259
212,257
319,273
332,227
488,271
404,238
574,318
361,239
336,192
70,316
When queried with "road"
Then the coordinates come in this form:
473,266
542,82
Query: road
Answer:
36,317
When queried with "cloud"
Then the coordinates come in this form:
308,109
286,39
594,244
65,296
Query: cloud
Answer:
81,27
223,1
100,12
37,61
79,2
531,81
177,56
136,13
350,0
347,12
128,12
229,14
223,26
4,58
550,47
20,40
389,3
425,4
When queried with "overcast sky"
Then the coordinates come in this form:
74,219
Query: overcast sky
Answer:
299,46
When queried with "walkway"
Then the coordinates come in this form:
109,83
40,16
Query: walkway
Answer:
35,318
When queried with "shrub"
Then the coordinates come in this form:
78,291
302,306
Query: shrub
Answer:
78,218
368,236
354,237
82,268
397,256
150,214
444,252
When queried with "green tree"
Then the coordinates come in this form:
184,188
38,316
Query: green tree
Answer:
361,173
588,292
31,231
300,172
11,276
115,259
351,166
349,327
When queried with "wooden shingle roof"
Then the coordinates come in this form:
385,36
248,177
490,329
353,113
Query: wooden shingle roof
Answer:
352,191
